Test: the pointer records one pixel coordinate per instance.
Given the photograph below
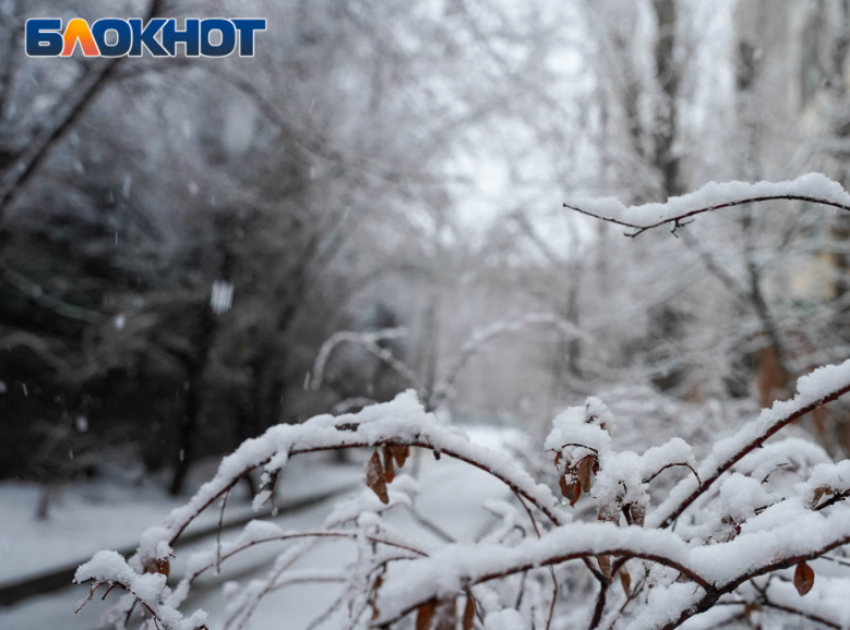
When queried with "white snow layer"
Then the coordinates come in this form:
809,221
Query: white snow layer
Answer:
812,186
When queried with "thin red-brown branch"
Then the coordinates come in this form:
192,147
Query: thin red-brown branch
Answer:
731,461
552,516
714,593
151,611
840,496
519,568
218,532
297,535
805,615
600,604
551,568
658,472
690,213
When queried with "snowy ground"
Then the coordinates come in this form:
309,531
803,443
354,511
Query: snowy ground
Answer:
452,494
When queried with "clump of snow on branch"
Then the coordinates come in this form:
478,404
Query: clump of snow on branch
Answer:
815,187
581,440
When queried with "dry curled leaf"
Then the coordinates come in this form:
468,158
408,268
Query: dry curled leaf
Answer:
571,491
469,612
638,514
375,587
626,581
375,478
804,578
818,494
389,470
445,615
159,565
424,615
400,454
608,516
604,565
585,472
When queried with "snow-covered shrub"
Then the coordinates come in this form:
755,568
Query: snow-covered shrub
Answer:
746,534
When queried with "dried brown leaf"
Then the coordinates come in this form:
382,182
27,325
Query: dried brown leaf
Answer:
400,454
606,516
638,514
158,565
375,587
571,491
750,608
585,472
389,470
424,615
626,581
804,578
604,565
446,615
375,478
469,612
819,494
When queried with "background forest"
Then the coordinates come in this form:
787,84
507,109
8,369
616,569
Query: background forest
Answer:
380,190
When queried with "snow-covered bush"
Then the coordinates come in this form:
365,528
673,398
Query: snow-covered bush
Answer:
751,532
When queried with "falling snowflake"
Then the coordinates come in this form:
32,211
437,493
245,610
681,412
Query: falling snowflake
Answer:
222,297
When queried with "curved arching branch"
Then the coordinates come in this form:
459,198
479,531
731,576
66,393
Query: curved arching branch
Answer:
711,596
295,536
481,338
401,422
677,218
553,559
519,488
812,188
369,341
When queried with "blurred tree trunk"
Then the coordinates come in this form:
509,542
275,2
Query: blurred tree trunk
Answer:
196,368
666,123
268,383
194,399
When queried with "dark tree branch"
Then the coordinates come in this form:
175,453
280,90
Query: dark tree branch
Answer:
677,219
21,170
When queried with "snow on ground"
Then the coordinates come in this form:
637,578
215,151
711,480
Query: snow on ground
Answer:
99,515
451,497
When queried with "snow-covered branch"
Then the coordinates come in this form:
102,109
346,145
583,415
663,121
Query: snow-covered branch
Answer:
812,188
813,391
752,532
481,338
370,341
746,527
